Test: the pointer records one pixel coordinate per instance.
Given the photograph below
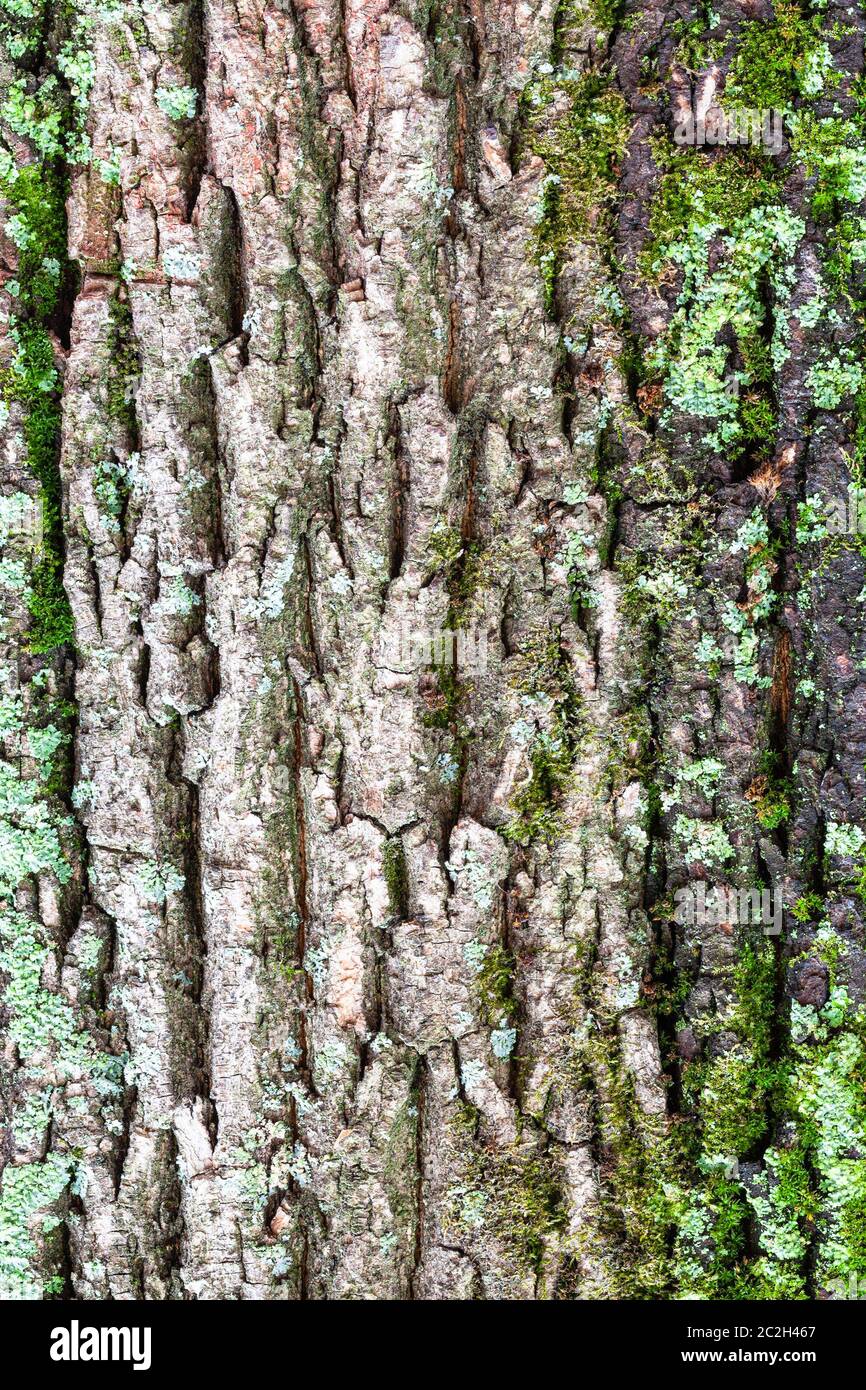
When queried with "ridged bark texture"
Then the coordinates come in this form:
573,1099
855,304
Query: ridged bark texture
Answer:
332,973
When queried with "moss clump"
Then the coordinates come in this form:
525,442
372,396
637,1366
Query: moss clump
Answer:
724,203
680,1218
711,1240
516,1192
445,704
38,193
826,1095
536,806
399,1175
41,1025
43,105
528,1205
728,1093
758,416
771,800
461,563
811,1188
28,1188
831,150
581,150
843,261
640,1165
48,116
776,60
552,702
284,946
32,380
727,1098
696,48
449,39
396,876
703,189
808,908
122,364
852,1230
494,984
630,748
784,1203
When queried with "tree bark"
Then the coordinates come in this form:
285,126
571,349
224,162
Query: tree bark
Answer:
344,959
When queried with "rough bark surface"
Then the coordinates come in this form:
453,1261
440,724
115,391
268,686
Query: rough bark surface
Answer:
326,976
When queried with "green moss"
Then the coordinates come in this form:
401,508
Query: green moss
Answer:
284,946
316,145
444,708
571,15
726,200
808,908
845,253
494,984
678,1218
399,1172
448,32
36,191
852,1230
755,990
528,1206
720,1086
44,104
832,151
794,1190
729,1097
536,807
41,1025
581,150
630,748
515,1192
122,363
640,1166
758,416
710,1244
698,189
553,706
695,47
771,796
776,61
396,876
462,565
827,1095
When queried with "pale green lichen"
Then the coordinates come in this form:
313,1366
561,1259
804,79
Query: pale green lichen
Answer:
178,103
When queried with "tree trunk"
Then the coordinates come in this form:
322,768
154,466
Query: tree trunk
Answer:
444,431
